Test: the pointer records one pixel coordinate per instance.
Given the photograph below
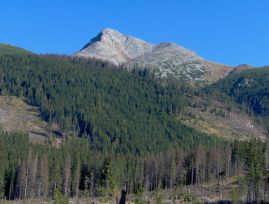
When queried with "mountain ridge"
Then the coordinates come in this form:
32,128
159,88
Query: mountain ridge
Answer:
165,59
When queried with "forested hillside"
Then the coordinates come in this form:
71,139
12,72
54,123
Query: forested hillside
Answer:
117,111
122,131
76,169
248,88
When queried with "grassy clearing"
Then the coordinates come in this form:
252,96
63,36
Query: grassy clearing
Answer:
216,119
17,115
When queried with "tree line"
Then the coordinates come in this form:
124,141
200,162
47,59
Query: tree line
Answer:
37,170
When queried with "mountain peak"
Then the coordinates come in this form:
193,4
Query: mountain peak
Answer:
105,33
109,31
115,47
165,59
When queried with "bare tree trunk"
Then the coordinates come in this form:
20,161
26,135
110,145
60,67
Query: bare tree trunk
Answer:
123,197
27,173
67,175
192,175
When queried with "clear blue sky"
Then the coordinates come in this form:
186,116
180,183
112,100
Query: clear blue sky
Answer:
226,31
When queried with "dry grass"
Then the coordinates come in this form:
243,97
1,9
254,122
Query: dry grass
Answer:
215,191
234,125
17,115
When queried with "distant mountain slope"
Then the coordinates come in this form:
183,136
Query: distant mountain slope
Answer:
116,110
9,49
240,68
171,60
247,87
250,87
217,118
165,59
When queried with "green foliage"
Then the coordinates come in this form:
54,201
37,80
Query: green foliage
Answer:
129,133
255,169
180,194
159,198
59,198
248,88
116,110
234,195
140,189
90,170
107,183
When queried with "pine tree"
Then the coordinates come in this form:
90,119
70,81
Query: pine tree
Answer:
76,173
255,168
106,177
67,175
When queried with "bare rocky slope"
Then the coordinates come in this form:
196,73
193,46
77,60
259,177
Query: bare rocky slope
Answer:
165,59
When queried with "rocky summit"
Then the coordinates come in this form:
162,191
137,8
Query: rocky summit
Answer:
166,60
113,46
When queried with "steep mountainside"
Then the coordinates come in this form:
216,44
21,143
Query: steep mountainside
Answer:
218,118
124,129
118,111
247,87
111,45
208,120
165,59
